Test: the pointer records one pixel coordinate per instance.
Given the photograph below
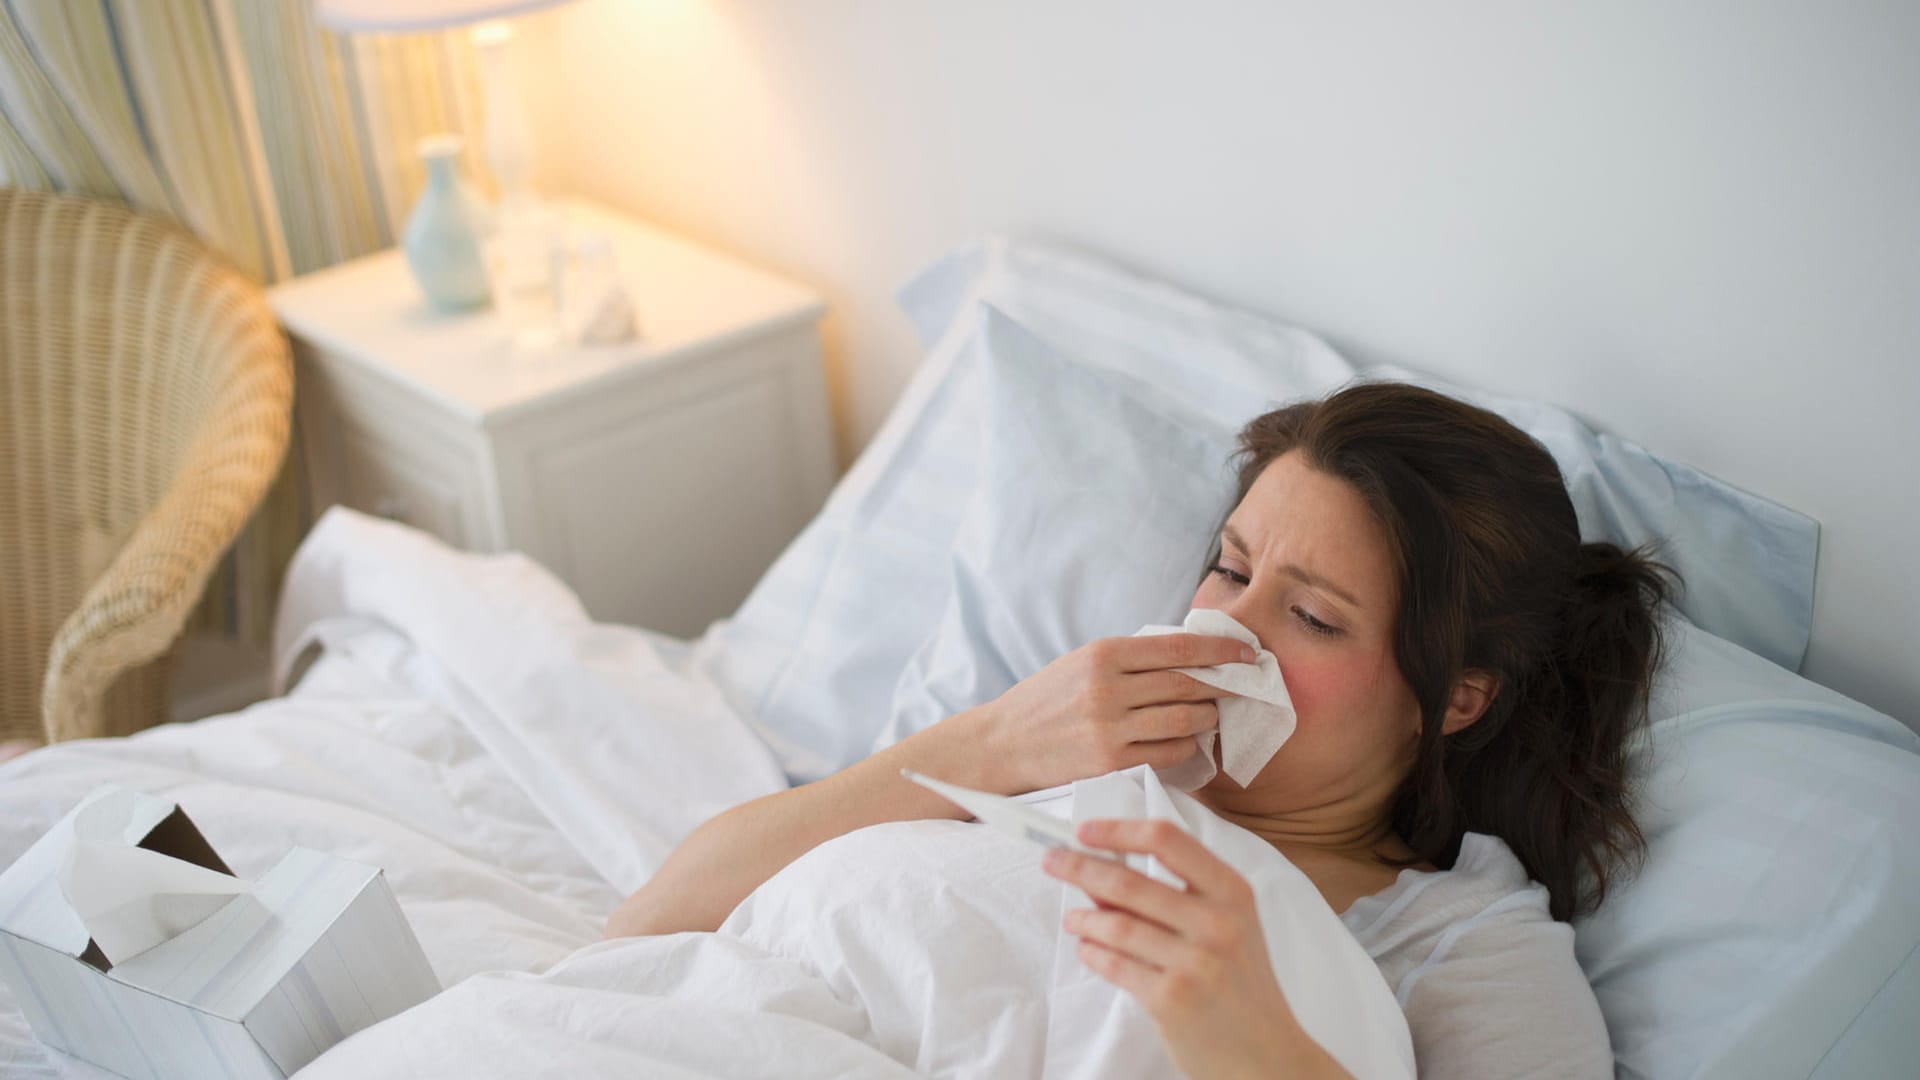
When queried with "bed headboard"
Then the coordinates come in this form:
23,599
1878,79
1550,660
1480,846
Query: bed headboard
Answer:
1694,225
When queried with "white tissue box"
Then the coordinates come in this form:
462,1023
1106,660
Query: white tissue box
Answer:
214,978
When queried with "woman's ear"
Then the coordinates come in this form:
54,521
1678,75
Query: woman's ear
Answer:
1469,699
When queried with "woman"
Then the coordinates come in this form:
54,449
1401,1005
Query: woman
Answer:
1467,676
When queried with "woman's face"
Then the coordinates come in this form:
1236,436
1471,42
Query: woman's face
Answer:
1306,567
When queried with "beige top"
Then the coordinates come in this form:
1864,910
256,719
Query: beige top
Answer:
1487,978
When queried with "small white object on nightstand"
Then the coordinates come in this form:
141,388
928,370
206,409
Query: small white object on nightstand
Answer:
592,307
658,477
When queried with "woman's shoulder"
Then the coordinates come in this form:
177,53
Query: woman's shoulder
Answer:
1482,969
1482,915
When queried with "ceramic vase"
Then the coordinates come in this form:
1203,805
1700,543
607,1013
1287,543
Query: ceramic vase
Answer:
443,235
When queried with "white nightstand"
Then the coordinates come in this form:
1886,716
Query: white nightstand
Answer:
659,478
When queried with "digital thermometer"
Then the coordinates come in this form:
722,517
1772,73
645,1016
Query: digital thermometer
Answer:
1008,815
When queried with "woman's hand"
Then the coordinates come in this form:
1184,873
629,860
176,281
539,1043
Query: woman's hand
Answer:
1196,959
1111,704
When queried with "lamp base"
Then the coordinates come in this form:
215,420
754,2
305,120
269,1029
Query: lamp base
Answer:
445,230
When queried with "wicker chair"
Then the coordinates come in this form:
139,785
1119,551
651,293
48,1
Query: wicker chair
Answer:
145,401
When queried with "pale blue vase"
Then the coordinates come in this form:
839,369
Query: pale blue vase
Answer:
444,232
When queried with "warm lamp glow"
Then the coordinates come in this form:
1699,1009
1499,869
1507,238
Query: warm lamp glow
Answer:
507,144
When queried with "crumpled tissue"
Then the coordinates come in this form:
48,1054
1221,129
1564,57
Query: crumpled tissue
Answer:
1254,722
129,898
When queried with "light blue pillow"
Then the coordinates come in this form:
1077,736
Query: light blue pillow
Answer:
812,657
1093,517
1775,931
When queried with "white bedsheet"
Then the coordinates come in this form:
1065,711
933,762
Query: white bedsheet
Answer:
622,753
516,769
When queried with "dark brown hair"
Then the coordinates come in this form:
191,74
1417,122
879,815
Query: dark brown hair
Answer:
1492,576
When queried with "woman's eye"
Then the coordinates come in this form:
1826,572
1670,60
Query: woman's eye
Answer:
1231,575
1314,625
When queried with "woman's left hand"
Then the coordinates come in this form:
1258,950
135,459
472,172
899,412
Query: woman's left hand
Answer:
1196,959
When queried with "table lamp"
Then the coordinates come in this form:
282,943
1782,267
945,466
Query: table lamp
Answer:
507,145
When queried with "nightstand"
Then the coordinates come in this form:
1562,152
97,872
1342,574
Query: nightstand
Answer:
658,478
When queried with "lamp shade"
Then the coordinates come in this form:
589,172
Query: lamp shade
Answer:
418,14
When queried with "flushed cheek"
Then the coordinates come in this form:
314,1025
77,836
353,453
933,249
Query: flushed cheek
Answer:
1326,688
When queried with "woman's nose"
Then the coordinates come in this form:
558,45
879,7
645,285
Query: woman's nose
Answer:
1240,610
1242,602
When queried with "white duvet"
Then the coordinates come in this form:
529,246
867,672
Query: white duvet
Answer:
916,948
517,769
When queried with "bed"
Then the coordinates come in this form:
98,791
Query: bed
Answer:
516,768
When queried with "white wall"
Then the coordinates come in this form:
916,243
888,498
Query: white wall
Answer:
1696,224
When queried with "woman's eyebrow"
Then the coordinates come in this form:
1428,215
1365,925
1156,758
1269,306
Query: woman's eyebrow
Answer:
1231,537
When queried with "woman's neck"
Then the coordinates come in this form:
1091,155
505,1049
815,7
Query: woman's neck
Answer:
1355,825
1340,853
1352,837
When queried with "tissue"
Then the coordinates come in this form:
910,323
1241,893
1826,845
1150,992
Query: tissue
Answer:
607,320
594,308
131,899
1254,722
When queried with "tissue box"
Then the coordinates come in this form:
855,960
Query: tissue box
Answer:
253,983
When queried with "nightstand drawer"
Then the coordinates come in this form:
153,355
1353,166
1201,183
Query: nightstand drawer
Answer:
390,479
378,452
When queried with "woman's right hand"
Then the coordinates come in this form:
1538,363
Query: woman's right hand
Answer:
1110,704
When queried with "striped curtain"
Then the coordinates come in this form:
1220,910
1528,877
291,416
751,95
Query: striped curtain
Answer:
285,146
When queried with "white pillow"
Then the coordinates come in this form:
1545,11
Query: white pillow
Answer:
1775,931
1221,363
1093,517
1748,564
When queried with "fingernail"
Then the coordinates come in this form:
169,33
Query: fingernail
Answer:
1248,654
1054,860
1072,922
